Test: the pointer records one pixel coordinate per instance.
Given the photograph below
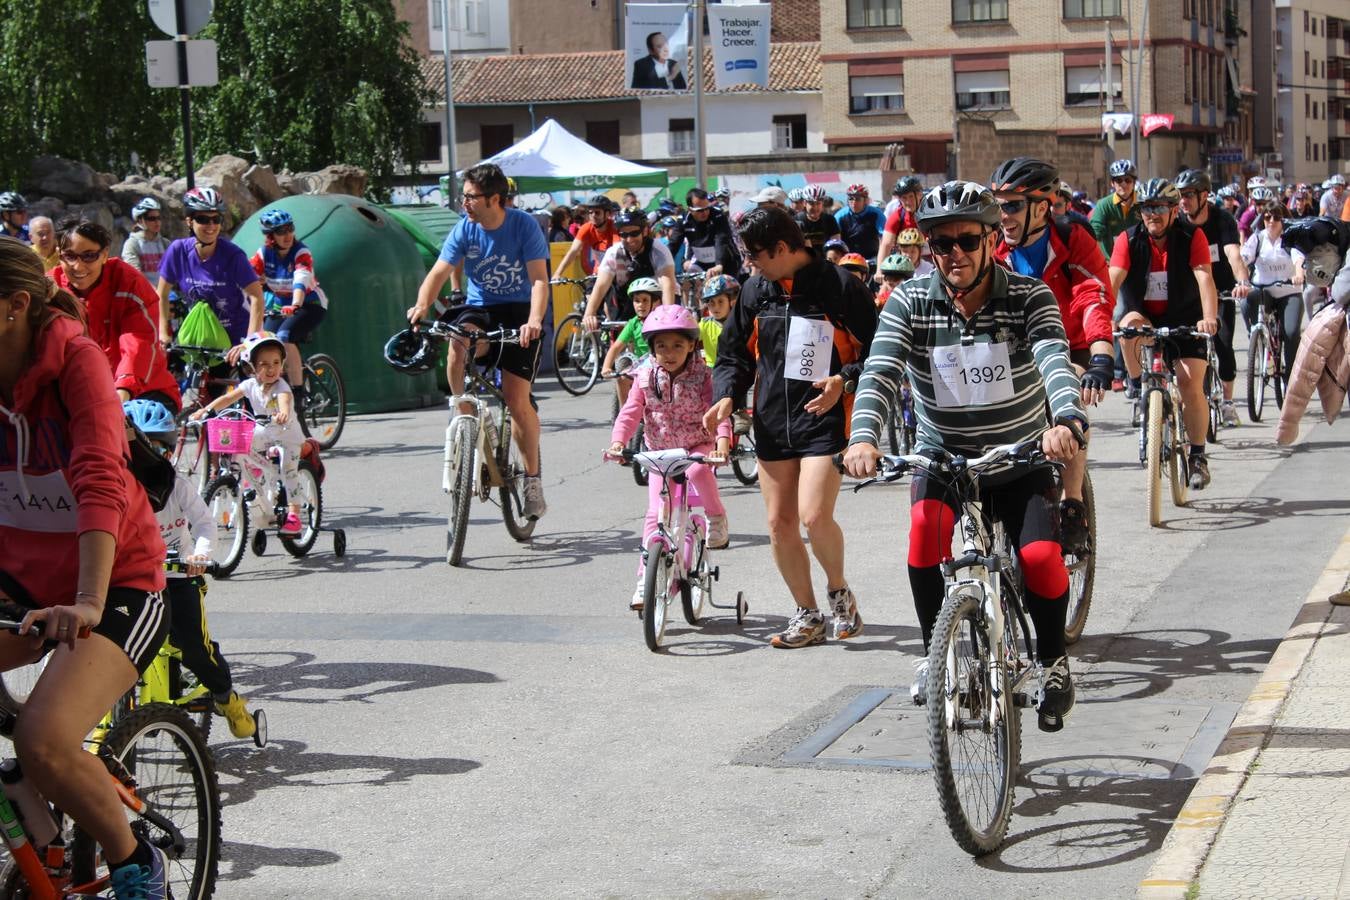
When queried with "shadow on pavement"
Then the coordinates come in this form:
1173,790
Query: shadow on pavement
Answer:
244,861
1146,663
297,678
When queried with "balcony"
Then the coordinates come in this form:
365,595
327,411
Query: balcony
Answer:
1232,27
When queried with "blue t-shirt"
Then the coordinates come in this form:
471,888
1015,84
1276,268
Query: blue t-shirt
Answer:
1030,259
862,231
219,280
495,261
24,236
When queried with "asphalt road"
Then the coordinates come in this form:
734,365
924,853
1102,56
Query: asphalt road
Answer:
500,730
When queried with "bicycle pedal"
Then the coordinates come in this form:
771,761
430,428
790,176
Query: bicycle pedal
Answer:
1023,700
1049,724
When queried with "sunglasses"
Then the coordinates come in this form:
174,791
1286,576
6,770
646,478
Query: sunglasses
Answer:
89,257
699,209
149,218
630,234
1012,207
1189,195
1271,217
1154,209
943,244
1128,179
284,229
207,220
857,196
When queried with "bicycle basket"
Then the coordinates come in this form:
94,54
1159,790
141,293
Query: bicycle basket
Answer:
229,435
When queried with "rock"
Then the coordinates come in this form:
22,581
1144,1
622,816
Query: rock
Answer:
64,179
336,179
50,207
126,194
289,184
263,184
225,173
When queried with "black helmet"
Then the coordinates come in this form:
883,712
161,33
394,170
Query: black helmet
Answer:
1026,175
1194,180
907,185
410,352
631,217
1315,231
599,201
958,201
1159,190
12,201
1124,168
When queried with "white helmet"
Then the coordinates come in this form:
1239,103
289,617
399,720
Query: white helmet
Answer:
1255,182
1337,180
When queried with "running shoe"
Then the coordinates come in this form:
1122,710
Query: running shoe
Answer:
235,711
1199,472
639,592
292,526
138,882
806,627
918,691
1057,690
1230,415
718,536
844,621
535,507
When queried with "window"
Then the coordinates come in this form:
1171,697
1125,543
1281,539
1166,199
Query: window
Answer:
1307,106
1091,9
874,14
1187,96
983,90
876,93
437,20
431,142
1307,68
789,132
1307,145
1083,85
475,17
968,11
1305,21
603,136
493,139
681,133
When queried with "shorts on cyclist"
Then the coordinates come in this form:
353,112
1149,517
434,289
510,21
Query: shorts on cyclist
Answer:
522,362
297,327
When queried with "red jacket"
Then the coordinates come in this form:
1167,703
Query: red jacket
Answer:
63,470
122,311
1078,277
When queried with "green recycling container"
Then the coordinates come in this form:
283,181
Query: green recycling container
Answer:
370,265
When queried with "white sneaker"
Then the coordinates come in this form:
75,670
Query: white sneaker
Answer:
639,593
534,506
718,536
1230,416
844,621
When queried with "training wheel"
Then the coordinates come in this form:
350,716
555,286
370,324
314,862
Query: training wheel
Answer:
741,607
260,728
339,543
259,542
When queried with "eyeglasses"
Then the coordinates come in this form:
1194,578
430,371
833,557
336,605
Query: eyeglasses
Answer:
598,211
207,220
1154,209
1128,179
1012,207
149,218
942,245
284,229
1271,217
630,234
471,197
89,257
699,209
857,196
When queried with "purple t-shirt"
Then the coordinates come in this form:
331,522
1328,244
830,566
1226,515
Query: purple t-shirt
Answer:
219,280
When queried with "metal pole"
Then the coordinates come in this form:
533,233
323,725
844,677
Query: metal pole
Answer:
452,186
1138,88
185,101
700,136
1109,87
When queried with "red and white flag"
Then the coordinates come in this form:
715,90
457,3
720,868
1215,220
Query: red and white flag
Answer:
1154,122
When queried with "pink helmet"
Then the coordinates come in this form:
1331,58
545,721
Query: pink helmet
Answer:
674,318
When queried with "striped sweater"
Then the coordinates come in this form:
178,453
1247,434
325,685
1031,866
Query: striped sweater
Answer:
919,317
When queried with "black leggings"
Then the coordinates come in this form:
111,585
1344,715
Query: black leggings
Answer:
1223,341
1289,313
188,633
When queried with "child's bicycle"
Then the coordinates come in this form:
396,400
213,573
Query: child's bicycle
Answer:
744,462
249,486
164,775
191,366
676,558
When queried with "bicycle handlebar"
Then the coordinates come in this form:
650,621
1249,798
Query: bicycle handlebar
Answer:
174,564
447,330
892,468
1179,331
588,281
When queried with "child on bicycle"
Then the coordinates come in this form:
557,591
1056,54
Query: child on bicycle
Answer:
645,293
719,296
185,518
670,395
895,270
268,394
294,304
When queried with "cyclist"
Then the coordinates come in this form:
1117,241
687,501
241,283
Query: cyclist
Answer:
979,316
1118,210
797,200
1259,194
816,225
719,296
910,243
121,310
14,216
772,195
907,193
722,197
1333,196
803,326
294,304
854,264
84,558
207,267
1277,280
710,247
1160,271
185,519
636,255
862,224
643,295
594,237
1065,256
144,247
506,262
1230,271
835,250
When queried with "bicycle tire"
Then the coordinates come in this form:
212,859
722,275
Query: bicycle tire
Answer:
1178,472
225,500
1082,570
325,412
976,804
576,355
1153,455
190,457
696,591
149,745
1277,375
463,448
512,491
656,586
311,510
1256,374
744,462
1213,403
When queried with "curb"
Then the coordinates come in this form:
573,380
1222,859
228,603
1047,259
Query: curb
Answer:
1199,821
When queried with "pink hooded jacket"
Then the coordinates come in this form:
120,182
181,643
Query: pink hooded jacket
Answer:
671,410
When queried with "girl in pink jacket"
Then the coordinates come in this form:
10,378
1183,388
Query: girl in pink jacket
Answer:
669,396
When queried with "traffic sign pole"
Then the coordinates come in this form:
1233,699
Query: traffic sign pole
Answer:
183,91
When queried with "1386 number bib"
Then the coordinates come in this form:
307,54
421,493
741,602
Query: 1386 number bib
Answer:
808,349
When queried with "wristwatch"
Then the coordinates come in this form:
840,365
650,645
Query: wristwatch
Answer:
850,386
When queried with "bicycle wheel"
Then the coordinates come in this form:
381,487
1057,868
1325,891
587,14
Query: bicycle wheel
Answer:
309,494
325,401
190,457
640,474
893,430
744,462
512,492
697,591
184,683
974,733
659,582
1257,360
1178,472
458,482
576,355
1277,374
226,503
161,756
1082,570
1214,401
1153,456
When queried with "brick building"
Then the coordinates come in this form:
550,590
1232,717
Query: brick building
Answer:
1312,39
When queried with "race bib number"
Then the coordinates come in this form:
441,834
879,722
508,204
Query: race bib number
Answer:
972,375
1213,253
1157,287
706,256
47,505
808,349
1278,268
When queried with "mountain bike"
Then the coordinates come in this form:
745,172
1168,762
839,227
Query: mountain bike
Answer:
981,667
676,558
1081,563
165,777
902,424
1213,392
324,413
577,353
479,452
1265,360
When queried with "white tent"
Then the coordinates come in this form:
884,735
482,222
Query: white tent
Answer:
554,159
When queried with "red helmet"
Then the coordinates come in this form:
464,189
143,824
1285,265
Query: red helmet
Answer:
857,189
854,261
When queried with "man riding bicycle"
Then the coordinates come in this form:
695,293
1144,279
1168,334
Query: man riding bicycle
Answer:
635,255
861,225
1161,272
986,353
908,191
506,260
593,238
710,246
817,225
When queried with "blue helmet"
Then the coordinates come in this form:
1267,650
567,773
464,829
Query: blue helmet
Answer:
272,219
153,419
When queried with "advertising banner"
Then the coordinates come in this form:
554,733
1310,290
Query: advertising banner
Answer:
740,43
1120,123
1155,122
656,38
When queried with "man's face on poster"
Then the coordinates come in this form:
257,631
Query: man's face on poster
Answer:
656,46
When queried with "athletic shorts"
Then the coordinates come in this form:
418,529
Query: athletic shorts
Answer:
513,358
822,442
298,327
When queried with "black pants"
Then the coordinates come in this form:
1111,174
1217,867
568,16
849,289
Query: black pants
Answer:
1289,313
1223,341
188,633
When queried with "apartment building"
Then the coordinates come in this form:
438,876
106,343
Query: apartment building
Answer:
1312,39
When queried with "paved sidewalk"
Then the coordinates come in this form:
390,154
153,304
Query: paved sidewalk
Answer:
1270,816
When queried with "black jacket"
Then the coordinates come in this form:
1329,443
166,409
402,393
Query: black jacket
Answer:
715,234
1183,292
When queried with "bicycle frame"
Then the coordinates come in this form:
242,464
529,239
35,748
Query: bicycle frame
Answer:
476,386
676,516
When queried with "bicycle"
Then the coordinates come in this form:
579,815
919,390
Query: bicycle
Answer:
635,442
479,452
690,285
324,413
1081,563
249,484
165,777
744,461
192,365
577,353
1265,360
903,424
980,661
676,558
1162,430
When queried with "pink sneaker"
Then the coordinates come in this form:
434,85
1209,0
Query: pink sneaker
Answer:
292,526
